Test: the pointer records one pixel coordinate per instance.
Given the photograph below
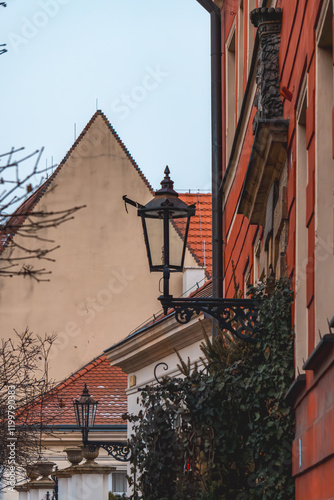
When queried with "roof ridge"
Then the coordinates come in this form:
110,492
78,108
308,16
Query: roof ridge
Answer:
157,318
115,134
186,193
109,382
40,191
125,149
80,373
199,289
72,378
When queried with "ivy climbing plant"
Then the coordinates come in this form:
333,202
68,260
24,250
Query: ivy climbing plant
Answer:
222,430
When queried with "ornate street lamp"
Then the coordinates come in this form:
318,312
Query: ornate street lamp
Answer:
85,409
85,412
164,217
159,218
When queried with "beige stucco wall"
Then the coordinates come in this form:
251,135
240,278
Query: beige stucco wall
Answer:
100,287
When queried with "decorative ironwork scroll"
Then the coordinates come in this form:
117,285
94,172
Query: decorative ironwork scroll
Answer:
238,316
116,449
155,370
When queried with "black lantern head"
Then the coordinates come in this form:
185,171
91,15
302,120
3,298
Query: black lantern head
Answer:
85,411
163,218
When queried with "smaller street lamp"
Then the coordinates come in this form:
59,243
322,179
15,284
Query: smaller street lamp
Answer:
164,217
85,409
85,412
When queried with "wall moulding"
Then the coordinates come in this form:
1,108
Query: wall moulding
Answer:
265,166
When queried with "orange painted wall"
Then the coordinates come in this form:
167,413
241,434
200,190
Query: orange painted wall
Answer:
313,447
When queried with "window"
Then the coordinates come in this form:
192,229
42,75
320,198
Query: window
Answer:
256,268
301,322
240,54
324,169
268,232
118,482
230,91
247,280
250,34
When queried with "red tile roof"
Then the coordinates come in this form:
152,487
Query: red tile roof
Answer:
200,229
105,383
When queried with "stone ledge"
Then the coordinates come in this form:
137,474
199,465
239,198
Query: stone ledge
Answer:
321,351
266,163
297,386
84,469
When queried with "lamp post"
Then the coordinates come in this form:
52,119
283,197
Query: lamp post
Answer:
85,409
162,218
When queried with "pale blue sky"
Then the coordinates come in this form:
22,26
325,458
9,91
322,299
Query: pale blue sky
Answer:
146,61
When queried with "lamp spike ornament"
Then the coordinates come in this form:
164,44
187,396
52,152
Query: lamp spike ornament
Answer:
167,184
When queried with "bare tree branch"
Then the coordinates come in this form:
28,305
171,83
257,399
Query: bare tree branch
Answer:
24,385
22,221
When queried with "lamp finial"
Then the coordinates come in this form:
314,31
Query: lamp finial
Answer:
167,184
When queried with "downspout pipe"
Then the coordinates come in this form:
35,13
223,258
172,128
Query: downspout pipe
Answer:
216,145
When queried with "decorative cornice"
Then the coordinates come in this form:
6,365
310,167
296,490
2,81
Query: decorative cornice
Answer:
268,99
265,166
267,20
156,342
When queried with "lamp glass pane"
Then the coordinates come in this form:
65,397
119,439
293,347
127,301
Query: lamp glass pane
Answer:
81,416
176,243
155,236
92,415
77,414
85,408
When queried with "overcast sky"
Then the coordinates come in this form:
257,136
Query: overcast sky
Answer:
146,61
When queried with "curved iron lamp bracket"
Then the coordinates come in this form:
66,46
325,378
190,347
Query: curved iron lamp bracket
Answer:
239,316
116,449
165,366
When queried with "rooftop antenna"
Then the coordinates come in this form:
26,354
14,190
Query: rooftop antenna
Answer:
75,131
97,104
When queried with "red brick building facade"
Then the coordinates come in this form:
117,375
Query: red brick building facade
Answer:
278,193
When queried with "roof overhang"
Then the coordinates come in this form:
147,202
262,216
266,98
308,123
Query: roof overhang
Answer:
266,163
155,342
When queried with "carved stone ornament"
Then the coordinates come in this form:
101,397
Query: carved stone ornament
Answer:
268,100
74,455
